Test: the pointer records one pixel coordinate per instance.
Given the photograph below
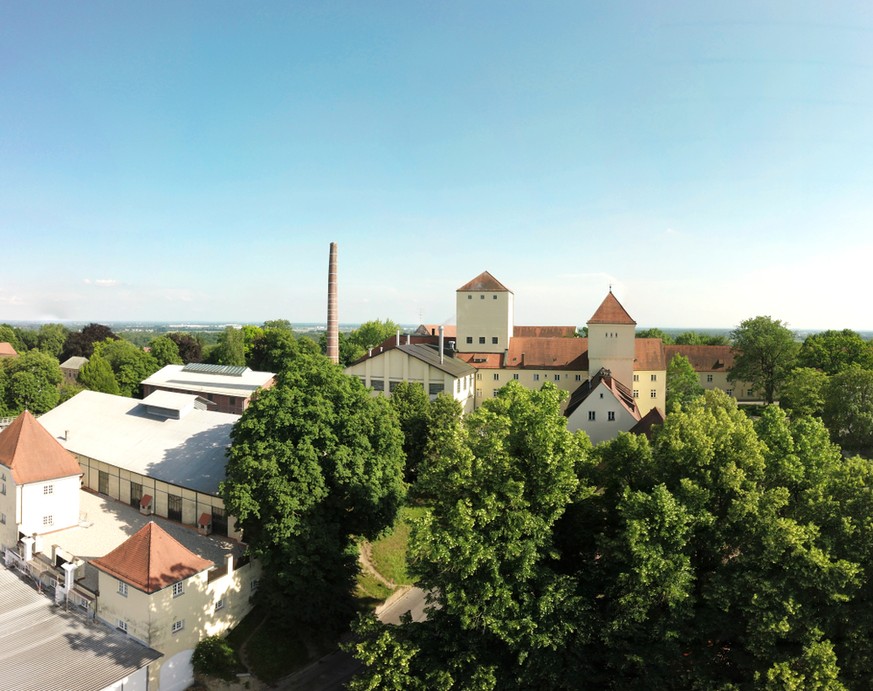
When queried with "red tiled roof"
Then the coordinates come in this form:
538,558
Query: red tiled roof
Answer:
151,560
34,455
484,281
611,312
704,358
649,354
544,331
622,394
6,350
449,330
482,360
548,353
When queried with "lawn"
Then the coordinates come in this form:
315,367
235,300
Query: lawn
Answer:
389,552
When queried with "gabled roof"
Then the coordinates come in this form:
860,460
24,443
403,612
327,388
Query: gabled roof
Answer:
33,454
704,358
622,394
151,559
649,355
449,330
76,362
6,350
650,419
430,355
544,331
611,312
484,281
548,353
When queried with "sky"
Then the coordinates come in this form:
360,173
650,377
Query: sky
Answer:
192,161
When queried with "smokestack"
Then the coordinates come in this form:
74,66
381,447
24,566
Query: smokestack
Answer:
397,339
441,344
332,318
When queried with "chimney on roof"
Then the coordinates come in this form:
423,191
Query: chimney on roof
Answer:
332,317
408,339
441,344
228,561
397,339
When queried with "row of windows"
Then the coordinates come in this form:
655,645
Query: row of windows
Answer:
494,340
653,393
481,296
653,377
536,376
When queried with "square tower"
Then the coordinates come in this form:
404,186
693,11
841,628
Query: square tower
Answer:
484,315
611,333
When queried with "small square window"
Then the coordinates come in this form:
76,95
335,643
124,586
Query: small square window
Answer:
482,297
178,589
557,377
494,340
479,376
482,340
730,392
178,625
48,520
536,377
578,377
636,393
494,297
48,489
469,339
122,625
636,377
610,416
469,297
592,415
122,588
496,376
749,392
709,379
219,604
654,377
653,393
515,376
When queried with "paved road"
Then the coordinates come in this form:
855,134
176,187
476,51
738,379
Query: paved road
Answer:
332,672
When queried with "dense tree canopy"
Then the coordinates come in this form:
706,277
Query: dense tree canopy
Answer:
766,353
190,348
803,392
230,349
130,364
165,351
30,381
356,343
722,555
683,384
655,333
834,351
275,348
97,375
315,461
81,343
848,408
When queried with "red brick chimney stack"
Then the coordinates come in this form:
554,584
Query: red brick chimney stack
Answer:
332,318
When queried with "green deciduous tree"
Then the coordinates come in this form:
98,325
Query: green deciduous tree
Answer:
190,348
766,354
51,338
276,348
165,351
848,409
81,343
356,343
230,349
315,462
32,382
683,384
725,554
412,406
803,392
834,351
655,333
130,364
97,375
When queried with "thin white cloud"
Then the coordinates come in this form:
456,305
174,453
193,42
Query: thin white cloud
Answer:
101,282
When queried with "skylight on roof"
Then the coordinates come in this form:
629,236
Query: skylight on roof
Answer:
226,370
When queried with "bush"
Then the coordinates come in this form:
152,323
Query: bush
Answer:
215,657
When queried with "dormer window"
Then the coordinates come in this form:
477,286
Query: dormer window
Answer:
48,489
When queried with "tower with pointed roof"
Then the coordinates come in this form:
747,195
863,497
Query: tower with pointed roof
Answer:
611,346
39,482
484,315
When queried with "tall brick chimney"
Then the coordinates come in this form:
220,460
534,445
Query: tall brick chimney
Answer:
332,318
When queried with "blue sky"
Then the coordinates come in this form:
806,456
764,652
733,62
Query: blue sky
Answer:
193,161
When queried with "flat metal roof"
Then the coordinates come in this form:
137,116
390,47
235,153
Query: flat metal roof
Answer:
189,452
200,381
45,647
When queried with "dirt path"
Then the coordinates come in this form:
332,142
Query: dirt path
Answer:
365,559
